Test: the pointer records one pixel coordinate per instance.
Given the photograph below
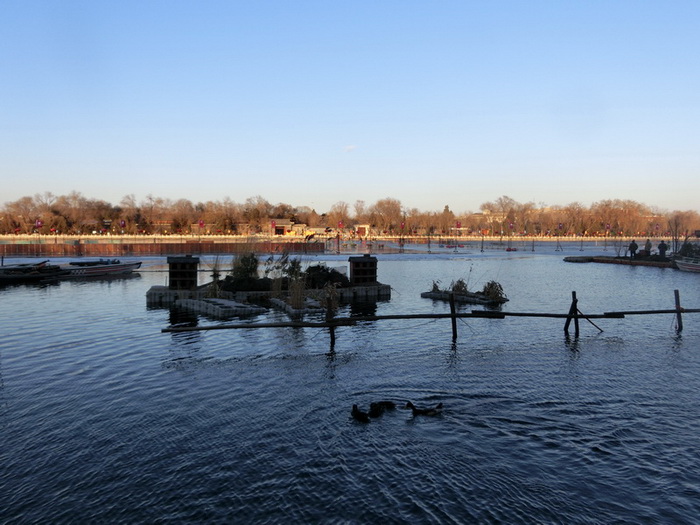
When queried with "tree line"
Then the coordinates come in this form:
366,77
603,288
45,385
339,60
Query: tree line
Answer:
74,213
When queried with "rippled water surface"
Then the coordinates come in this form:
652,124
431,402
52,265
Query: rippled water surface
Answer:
103,418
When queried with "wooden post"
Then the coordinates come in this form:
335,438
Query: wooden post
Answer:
330,312
453,312
679,317
574,301
587,319
331,328
572,315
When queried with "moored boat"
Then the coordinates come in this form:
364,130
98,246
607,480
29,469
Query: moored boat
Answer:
688,264
99,268
28,272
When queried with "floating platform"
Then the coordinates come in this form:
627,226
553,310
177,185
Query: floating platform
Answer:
218,308
620,260
238,303
469,297
311,306
163,296
198,301
372,292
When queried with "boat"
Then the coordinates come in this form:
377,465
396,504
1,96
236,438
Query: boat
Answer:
99,268
688,264
28,272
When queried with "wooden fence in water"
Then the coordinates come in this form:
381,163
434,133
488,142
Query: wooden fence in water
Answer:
573,315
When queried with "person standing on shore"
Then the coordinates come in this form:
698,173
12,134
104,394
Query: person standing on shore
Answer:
633,249
647,247
662,248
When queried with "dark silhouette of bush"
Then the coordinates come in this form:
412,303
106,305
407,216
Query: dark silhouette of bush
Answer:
245,267
244,276
318,276
689,250
246,284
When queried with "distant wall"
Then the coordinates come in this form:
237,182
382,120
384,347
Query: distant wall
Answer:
109,248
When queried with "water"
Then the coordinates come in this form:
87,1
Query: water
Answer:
103,418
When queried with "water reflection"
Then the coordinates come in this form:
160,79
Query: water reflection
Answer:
363,308
572,343
182,317
606,419
295,336
453,361
106,279
52,283
331,363
677,342
3,401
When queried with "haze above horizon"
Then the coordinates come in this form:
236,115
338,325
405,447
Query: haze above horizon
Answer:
311,103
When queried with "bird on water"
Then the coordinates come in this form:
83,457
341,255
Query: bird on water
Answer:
359,415
377,408
435,411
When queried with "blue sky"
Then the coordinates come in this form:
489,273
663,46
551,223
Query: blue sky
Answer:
310,103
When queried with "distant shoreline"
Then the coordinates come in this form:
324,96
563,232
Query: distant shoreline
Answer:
163,245
413,239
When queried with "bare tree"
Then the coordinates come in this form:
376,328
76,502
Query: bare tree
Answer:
525,216
607,216
446,220
24,213
634,216
386,214
182,215
679,226
130,214
256,211
339,214
577,217
72,208
73,213
156,214
360,212
282,211
44,201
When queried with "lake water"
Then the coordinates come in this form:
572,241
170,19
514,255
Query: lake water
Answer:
104,418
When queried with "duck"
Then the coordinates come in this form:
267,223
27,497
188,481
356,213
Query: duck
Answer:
435,411
376,409
359,415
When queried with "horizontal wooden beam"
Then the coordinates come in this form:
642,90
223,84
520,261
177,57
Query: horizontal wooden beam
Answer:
350,321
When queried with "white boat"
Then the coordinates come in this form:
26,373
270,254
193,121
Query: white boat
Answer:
99,268
688,264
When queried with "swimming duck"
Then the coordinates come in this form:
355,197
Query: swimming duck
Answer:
377,409
359,415
437,410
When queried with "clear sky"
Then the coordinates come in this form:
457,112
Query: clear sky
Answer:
433,103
